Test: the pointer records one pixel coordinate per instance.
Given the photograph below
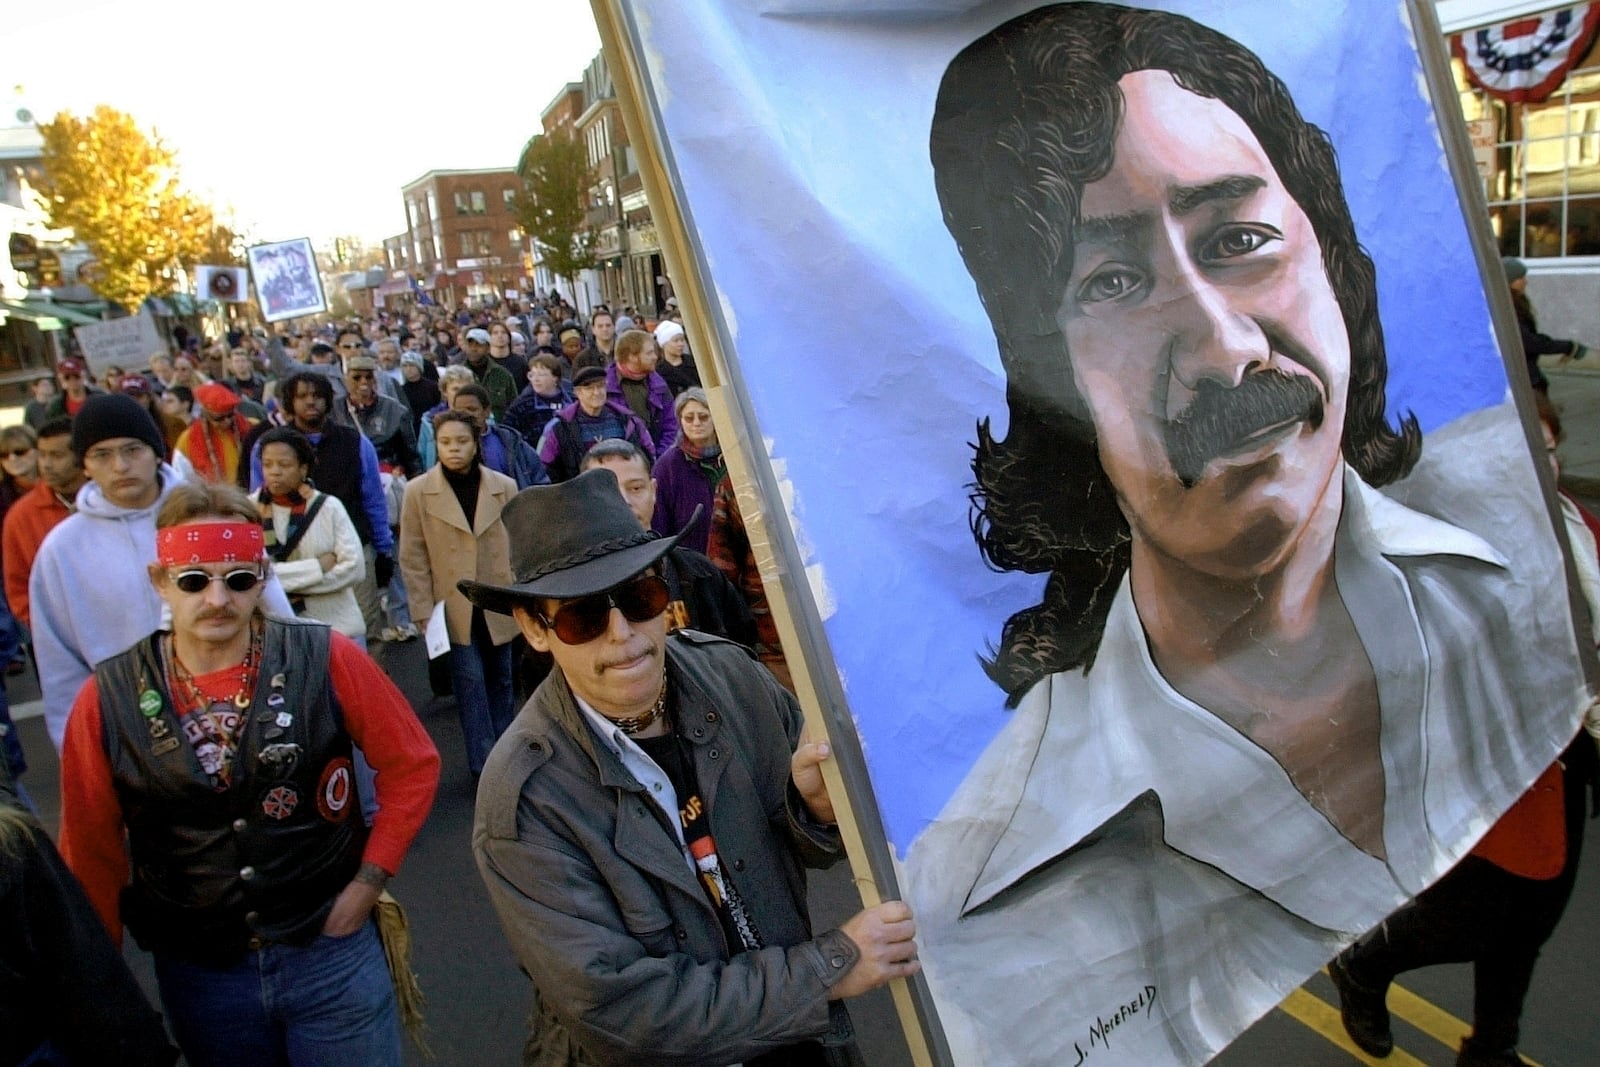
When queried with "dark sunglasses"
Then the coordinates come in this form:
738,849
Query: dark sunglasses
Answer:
15,453
577,622
240,581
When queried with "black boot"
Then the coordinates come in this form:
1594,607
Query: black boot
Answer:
1474,1054
1364,1012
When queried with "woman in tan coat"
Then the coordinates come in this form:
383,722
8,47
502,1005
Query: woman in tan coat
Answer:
440,545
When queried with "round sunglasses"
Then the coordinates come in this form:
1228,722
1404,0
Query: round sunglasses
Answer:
580,621
239,581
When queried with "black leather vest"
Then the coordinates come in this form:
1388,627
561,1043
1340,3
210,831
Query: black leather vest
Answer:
266,857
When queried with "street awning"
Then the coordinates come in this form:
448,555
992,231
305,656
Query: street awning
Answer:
15,309
70,315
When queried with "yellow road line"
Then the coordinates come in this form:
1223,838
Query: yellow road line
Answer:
1323,1017
1310,1010
1427,1017
1432,1019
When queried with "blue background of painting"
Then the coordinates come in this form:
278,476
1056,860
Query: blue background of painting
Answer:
799,133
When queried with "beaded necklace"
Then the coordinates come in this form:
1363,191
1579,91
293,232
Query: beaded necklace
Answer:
212,716
635,723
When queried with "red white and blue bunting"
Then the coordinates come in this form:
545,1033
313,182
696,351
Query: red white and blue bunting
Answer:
1525,60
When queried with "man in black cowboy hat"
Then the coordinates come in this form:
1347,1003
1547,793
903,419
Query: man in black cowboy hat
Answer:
642,825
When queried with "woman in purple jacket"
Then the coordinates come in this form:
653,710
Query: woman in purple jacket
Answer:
687,473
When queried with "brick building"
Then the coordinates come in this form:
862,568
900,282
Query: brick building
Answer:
628,265
562,113
462,239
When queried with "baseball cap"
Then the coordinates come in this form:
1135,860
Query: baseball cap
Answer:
481,336
586,375
71,366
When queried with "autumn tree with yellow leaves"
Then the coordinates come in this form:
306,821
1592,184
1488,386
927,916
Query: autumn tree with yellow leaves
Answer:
117,189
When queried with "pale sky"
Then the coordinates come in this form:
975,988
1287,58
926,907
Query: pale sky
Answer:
304,119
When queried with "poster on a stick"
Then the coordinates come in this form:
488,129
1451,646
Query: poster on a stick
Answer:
127,342
287,282
228,285
1176,552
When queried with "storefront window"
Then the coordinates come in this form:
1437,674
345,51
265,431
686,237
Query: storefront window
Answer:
1542,173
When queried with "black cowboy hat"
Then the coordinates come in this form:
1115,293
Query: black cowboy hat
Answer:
570,540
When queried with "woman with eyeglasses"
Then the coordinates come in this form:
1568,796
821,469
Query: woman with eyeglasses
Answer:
315,551
687,474
450,529
19,465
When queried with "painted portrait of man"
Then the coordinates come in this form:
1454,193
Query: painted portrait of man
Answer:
1291,657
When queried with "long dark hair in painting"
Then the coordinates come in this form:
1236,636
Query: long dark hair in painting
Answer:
1026,117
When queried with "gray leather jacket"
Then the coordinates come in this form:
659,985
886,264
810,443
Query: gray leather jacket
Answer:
601,907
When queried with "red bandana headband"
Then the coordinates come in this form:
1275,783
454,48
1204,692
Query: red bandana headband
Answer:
209,542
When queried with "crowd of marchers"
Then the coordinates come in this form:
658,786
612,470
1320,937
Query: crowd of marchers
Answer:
204,555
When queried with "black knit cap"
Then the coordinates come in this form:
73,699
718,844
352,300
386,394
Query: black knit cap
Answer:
105,416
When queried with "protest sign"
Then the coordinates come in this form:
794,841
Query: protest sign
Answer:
1159,527
127,343
288,284
229,285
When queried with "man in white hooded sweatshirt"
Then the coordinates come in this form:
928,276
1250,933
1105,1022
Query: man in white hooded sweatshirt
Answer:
90,593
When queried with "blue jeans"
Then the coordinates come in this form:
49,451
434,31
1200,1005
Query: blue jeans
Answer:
485,702
330,1003
397,610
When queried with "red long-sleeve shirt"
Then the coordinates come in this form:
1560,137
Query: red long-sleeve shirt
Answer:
376,715
30,518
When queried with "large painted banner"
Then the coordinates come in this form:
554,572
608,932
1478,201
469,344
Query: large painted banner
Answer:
1171,526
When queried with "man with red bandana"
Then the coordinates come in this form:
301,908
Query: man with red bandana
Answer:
215,761
88,597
